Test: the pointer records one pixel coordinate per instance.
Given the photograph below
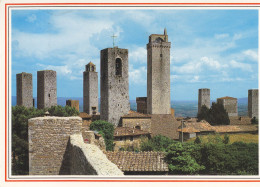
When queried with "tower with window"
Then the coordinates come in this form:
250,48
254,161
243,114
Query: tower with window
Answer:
90,89
158,74
114,84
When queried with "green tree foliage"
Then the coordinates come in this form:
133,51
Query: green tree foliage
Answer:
180,159
20,116
107,131
157,143
226,139
63,111
254,121
216,115
197,140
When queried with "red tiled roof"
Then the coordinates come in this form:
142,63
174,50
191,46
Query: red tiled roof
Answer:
134,114
142,161
126,131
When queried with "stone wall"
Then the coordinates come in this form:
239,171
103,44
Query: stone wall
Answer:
158,75
24,89
46,89
203,98
128,141
253,103
230,105
114,87
88,159
141,104
48,143
143,123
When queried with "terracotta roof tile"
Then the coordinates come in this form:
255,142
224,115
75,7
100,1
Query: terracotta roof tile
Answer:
142,161
126,131
134,114
84,115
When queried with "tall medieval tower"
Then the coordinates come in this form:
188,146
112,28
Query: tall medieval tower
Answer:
204,98
90,89
158,74
46,89
24,92
114,84
253,103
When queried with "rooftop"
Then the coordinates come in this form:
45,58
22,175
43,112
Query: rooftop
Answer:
133,114
84,115
126,131
227,97
142,161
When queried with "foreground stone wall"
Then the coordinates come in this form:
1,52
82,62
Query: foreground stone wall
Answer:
48,144
88,159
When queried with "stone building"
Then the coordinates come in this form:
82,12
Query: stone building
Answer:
141,104
46,89
114,84
204,98
230,104
158,74
253,103
73,104
24,89
90,89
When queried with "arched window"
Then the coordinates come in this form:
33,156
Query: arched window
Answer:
138,127
118,67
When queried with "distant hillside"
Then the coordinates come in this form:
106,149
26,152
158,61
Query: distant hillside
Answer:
182,108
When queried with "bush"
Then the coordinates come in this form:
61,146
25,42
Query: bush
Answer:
254,121
63,111
157,143
107,131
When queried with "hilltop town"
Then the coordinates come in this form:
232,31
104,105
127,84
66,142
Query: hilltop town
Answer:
68,146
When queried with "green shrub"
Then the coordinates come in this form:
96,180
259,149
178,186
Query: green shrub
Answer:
107,131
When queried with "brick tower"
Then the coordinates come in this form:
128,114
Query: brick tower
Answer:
158,74
46,89
90,89
253,103
114,84
24,91
204,98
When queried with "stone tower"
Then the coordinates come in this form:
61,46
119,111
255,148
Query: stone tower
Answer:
253,103
24,91
46,89
90,89
230,105
114,84
158,74
204,98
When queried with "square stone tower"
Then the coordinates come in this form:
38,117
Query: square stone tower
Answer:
114,84
230,105
204,98
141,104
24,91
253,103
90,89
46,89
73,104
158,74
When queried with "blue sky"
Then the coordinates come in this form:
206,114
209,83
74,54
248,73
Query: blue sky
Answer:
216,49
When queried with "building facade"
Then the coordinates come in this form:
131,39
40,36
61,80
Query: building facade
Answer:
90,89
158,74
24,89
46,89
114,84
230,105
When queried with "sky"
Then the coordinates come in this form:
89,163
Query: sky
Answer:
216,49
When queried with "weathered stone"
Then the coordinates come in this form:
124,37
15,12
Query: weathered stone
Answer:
230,105
73,104
24,90
204,98
253,103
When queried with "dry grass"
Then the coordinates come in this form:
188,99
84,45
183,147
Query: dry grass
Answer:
246,138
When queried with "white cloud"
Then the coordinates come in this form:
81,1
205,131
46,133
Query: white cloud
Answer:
138,55
242,66
137,76
253,54
62,70
221,36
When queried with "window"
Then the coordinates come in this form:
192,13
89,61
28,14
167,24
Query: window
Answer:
118,67
121,138
49,95
160,55
138,127
131,138
93,68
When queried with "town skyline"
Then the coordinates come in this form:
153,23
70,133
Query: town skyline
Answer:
221,55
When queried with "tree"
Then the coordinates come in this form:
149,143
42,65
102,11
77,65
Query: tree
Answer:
226,139
216,115
106,129
197,140
157,143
